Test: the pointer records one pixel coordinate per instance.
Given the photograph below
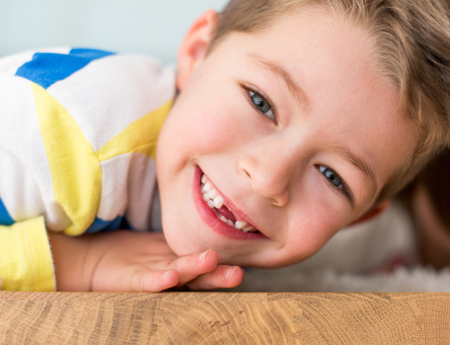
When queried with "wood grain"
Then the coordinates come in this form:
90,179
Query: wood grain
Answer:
224,318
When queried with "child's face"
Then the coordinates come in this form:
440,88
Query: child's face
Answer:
292,126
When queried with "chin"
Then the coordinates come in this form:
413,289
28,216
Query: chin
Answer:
182,244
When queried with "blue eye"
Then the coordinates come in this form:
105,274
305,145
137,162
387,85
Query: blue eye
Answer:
331,176
337,181
262,105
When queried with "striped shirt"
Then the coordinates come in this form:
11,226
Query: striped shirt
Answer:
78,132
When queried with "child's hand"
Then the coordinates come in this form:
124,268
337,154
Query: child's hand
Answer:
130,261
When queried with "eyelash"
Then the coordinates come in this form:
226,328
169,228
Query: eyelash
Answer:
343,186
253,93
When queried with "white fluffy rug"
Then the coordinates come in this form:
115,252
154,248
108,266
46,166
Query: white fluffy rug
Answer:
419,279
352,261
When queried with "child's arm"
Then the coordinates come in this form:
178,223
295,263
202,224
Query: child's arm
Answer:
130,261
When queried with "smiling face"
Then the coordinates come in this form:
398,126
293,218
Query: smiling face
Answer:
292,126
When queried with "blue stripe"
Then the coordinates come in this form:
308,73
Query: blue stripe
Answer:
100,224
5,218
91,54
45,69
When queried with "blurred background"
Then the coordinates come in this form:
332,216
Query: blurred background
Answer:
154,27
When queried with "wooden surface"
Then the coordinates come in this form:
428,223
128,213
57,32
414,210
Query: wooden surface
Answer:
224,318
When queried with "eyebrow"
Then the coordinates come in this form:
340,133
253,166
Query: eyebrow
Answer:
364,167
277,69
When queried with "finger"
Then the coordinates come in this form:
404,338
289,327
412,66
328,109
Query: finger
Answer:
192,266
153,281
222,277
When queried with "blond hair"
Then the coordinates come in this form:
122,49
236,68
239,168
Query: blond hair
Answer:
412,47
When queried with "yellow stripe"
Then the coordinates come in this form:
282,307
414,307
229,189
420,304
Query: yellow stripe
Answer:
140,136
75,169
25,257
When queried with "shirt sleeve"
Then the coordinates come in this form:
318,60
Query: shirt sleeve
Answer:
25,257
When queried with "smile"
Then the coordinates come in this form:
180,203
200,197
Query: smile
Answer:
222,218
215,202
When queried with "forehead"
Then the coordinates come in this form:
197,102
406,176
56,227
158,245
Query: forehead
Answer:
331,61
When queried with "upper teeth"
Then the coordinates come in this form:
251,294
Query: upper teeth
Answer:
240,225
214,200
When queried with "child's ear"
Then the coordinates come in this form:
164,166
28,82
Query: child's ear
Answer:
194,46
375,211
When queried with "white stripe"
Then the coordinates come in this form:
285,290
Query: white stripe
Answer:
25,172
114,187
110,93
18,188
128,184
142,173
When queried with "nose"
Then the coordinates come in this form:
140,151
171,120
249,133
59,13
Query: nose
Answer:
269,172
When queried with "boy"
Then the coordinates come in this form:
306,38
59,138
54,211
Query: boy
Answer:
294,119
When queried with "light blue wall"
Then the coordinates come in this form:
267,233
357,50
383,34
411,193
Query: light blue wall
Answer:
137,26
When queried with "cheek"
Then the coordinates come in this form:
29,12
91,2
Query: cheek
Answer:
311,235
210,127
217,131
316,217
321,225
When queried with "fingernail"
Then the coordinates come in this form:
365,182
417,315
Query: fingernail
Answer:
231,272
203,255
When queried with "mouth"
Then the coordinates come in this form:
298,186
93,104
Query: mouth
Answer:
218,212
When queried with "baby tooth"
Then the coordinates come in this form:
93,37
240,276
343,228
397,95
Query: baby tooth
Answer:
240,225
206,196
212,193
210,204
218,201
223,219
230,223
207,186
203,179
248,228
